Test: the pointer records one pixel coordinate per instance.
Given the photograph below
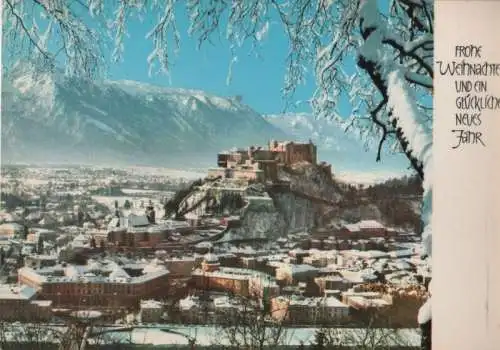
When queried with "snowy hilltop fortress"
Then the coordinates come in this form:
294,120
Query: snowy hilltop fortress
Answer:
260,165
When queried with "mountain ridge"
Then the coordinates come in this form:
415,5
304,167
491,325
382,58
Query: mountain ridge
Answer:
63,119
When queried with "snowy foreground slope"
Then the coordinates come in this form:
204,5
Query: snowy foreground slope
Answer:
206,336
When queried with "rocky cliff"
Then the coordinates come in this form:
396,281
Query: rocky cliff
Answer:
260,219
295,203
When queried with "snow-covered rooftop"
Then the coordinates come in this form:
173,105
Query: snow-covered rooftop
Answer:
370,224
98,272
299,268
189,302
16,292
151,304
364,225
211,258
314,301
233,273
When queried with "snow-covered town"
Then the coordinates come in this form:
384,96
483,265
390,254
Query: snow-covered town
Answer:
149,251
270,190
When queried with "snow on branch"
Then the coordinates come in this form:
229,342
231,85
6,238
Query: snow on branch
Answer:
159,34
419,137
29,26
81,29
421,140
419,79
396,43
391,77
408,117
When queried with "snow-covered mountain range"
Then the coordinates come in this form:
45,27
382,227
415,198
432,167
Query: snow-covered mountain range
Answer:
49,118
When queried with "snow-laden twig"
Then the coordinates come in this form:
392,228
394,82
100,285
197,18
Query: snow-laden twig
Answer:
419,136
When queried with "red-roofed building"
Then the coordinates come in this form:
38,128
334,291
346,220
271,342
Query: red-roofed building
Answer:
364,229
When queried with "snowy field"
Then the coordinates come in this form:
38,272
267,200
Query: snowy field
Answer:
367,178
34,182
175,173
212,335
209,335
133,191
110,203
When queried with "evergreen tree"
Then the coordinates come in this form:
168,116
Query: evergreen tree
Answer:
93,243
12,201
43,203
26,232
127,205
20,260
426,340
81,217
319,340
171,206
76,258
40,246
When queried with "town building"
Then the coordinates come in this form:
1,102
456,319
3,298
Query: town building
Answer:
289,274
403,308
190,309
299,255
306,311
11,230
330,283
404,302
367,307
224,309
136,230
101,284
238,281
364,229
37,261
20,303
151,311
181,267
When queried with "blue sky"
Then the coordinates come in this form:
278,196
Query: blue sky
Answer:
258,79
